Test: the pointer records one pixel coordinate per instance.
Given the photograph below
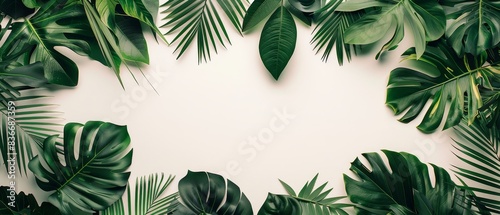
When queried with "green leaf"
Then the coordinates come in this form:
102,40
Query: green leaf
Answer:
381,189
15,8
35,40
31,75
475,25
235,10
258,11
426,20
478,149
133,45
137,9
94,160
277,41
195,19
443,77
307,6
280,205
148,198
33,122
12,203
329,32
208,193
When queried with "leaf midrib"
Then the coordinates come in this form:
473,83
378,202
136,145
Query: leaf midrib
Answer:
279,37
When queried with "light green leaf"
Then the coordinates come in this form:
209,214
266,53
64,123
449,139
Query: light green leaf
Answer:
277,41
96,157
258,11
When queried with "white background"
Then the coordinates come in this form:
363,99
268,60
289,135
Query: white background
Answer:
203,115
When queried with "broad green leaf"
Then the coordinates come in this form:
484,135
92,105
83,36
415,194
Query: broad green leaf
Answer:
208,193
475,25
31,75
196,19
133,45
258,11
12,203
400,185
15,8
35,39
148,199
280,205
33,122
329,32
478,149
443,77
306,18
277,41
426,20
137,9
107,11
96,158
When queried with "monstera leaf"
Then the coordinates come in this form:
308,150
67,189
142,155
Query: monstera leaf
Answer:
403,187
442,76
309,200
277,41
330,30
475,25
148,199
208,193
12,203
425,18
93,174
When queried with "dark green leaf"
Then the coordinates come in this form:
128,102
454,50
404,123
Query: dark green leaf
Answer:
12,203
15,8
208,193
258,11
402,186
307,6
280,205
96,162
442,76
277,41
426,20
137,9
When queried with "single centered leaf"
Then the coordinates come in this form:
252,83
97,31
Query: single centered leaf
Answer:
93,174
443,77
258,11
475,25
426,20
401,186
277,41
208,193
12,203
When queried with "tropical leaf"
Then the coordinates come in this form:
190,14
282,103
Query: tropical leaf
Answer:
277,41
208,193
35,39
309,200
426,20
200,19
148,198
475,25
25,123
330,29
307,6
478,148
96,157
12,203
403,187
439,75
258,11
15,8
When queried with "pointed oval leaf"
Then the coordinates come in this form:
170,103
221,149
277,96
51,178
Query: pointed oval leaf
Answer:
92,176
277,41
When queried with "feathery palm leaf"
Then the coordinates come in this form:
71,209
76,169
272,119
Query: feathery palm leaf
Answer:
34,121
479,148
148,198
200,20
330,29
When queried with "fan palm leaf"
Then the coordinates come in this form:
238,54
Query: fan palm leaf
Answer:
478,148
148,198
200,20
34,121
329,32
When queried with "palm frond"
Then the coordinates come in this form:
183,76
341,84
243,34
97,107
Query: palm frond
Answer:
200,20
34,121
478,148
329,32
148,198
314,200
